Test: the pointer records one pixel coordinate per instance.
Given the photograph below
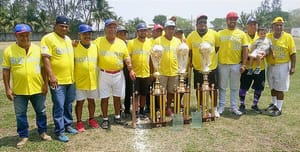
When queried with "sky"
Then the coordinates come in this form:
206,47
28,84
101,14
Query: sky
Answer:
189,9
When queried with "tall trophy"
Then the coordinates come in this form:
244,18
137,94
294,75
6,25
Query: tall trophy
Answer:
157,92
182,90
206,94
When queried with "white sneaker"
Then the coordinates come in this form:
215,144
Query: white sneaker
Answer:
220,110
236,112
217,115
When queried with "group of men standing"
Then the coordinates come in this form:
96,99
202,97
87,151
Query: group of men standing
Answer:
90,70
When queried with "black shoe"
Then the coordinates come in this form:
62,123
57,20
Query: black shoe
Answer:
242,108
105,124
119,121
256,109
271,107
276,112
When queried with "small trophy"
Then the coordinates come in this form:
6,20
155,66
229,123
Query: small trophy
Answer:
182,90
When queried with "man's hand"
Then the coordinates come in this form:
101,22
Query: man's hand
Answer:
10,94
242,68
132,75
53,82
292,70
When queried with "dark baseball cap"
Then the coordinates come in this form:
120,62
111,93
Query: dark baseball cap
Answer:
251,19
62,20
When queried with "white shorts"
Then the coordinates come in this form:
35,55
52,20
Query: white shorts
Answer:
111,84
86,94
279,76
169,82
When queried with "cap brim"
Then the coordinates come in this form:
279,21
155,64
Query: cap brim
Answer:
23,32
85,31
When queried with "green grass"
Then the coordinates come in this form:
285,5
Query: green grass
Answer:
250,132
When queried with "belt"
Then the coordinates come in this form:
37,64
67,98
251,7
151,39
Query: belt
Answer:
110,72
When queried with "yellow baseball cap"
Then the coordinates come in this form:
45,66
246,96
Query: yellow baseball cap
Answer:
278,19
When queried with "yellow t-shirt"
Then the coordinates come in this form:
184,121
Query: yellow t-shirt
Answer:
111,56
231,43
61,55
140,55
25,69
168,64
194,40
86,67
250,46
283,48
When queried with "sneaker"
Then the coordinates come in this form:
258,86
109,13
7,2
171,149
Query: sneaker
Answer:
169,112
105,124
80,126
63,138
242,108
256,109
119,121
93,123
71,130
271,107
276,112
22,142
220,110
217,115
257,71
45,137
250,72
236,112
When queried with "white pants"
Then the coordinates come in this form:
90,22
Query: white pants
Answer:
232,73
111,84
279,76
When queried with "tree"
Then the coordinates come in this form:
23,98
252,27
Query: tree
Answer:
102,12
294,17
219,23
160,19
185,24
131,24
242,21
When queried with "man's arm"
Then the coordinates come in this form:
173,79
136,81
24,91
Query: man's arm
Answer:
45,78
130,69
49,73
6,80
244,58
293,63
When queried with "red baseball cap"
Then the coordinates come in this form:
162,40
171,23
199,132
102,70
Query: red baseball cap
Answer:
157,26
232,15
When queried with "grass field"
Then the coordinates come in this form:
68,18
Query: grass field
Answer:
250,132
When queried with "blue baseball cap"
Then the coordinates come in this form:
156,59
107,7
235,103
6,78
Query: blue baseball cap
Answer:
62,20
141,26
110,21
251,19
22,28
83,28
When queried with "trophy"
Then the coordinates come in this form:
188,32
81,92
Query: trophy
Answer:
157,93
182,90
206,94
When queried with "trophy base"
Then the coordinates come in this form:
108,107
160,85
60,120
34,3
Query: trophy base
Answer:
158,124
208,119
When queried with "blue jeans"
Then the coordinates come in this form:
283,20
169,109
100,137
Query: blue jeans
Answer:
62,98
20,106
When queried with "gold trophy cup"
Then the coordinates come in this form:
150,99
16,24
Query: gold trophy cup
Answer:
157,92
182,90
205,93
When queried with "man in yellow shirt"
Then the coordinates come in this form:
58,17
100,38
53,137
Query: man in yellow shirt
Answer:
85,70
22,62
194,40
58,58
168,66
112,55
255,81
280,67
139,51
232,61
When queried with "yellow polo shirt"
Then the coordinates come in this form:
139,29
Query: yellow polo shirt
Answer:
194,40
140,55
168,64
85,67
283,47
111,56
25,69
61,55
231,43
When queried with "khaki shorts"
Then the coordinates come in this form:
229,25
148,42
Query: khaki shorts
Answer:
169,82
